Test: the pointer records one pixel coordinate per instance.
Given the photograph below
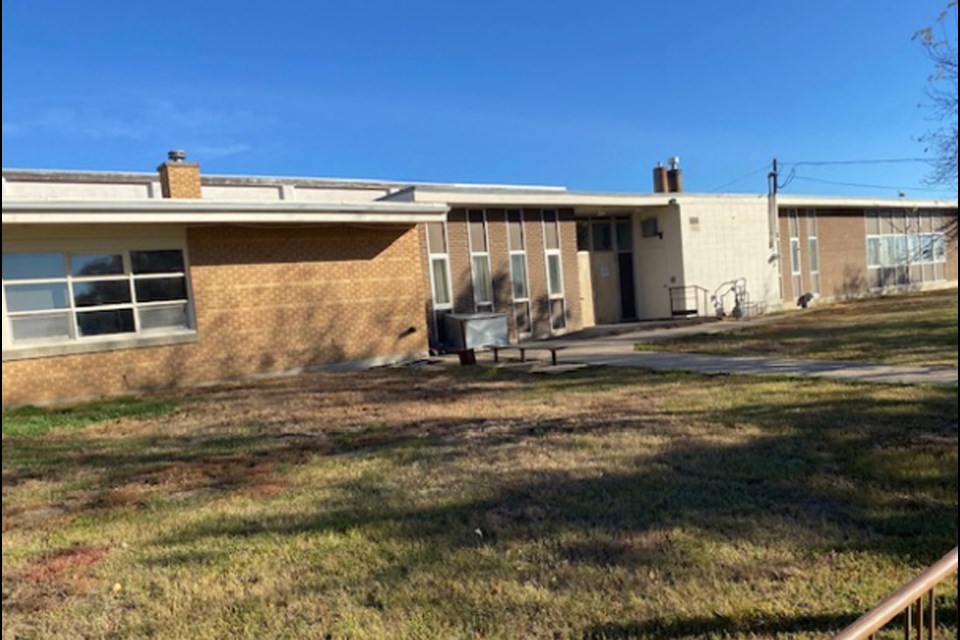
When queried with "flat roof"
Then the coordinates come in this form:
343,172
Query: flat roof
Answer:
863,202
176,211
213,179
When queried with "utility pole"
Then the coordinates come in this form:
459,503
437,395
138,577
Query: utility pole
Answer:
773,178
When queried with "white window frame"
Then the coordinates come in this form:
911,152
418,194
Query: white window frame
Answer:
796,266
106,342
439,255
480,305
512,251
558,252
813,249
438,309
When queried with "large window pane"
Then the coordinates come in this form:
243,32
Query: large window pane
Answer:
551,230
602,236
583,235
96,265
939,248
23,266
90,294
441,284
436,237
97,323
888,251
482,287
37,297
913,248
164,317
165,261
518,276
45,326
515,229
926,247
794,255
554,276
902,256
522,314
873,252
158,289
477,229
814,255
624,236
558,316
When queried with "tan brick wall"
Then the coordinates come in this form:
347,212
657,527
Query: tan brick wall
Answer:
571,269
266,300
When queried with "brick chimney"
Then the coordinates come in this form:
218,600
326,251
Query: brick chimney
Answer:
675,175
660,182
178,178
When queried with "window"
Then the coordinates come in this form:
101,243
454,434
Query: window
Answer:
904,247
624,235
439,261
551,243
813,251
76,297
796,275
518,271
602,235
583,235
480,260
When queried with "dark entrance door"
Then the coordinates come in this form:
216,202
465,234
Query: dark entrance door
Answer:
628,302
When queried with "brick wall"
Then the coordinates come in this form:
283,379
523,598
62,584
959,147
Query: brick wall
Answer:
458,247
266,300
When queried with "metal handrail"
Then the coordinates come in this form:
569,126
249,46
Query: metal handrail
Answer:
905,600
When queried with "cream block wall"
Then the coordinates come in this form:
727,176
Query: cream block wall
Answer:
658,262
729,238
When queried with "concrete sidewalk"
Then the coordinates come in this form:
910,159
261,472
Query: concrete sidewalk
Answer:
618,351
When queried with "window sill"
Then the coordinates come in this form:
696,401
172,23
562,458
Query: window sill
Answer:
28,352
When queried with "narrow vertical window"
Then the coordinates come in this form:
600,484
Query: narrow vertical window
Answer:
813,251
518,272
439,261
554,260
480,260
793,220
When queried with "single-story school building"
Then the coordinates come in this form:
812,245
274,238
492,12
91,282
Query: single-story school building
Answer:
118,283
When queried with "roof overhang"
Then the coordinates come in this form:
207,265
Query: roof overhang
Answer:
207,212
527,197
845,202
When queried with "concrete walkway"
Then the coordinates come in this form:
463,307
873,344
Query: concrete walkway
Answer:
618,351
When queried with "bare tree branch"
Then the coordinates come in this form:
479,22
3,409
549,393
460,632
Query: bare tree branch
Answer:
941,141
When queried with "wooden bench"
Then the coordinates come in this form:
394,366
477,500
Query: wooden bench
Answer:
523,348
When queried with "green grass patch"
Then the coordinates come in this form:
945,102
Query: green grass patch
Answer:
914,329
37,421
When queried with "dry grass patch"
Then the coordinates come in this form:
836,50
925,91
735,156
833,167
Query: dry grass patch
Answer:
914,329
484,503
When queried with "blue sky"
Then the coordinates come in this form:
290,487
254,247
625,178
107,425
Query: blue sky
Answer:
586,94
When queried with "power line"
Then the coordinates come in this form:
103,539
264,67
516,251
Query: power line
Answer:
864,185
818,163
765,167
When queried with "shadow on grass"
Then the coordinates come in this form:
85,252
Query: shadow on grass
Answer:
854,470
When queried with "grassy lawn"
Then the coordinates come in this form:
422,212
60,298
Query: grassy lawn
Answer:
915,329
477,504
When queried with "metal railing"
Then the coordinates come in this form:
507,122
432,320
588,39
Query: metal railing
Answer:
690,300
918,622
